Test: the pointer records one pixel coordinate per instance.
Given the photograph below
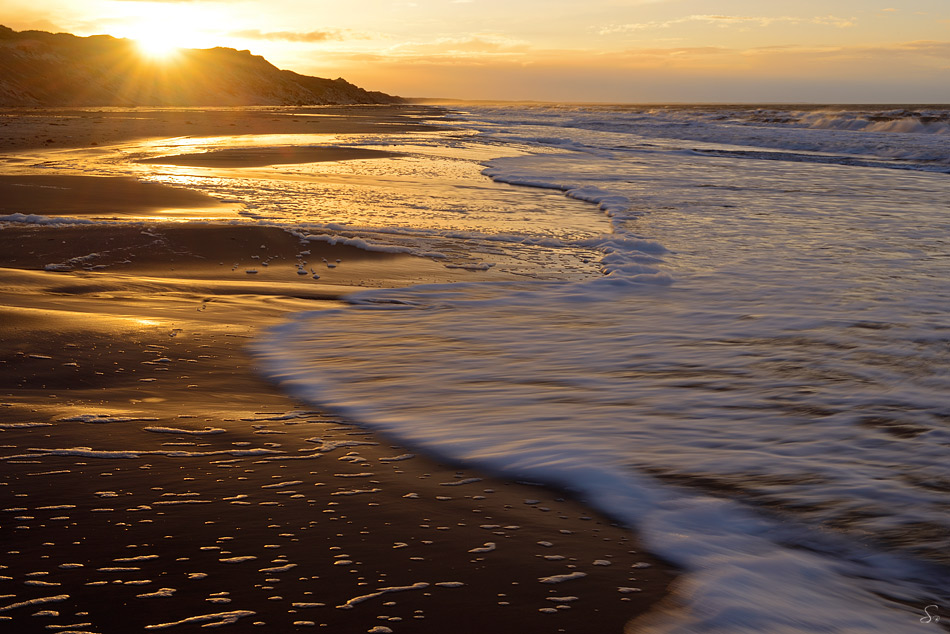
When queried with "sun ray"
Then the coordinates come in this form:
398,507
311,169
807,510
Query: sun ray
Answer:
160,32
157,45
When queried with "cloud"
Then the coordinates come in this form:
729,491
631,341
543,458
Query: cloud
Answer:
833,20
927,48
449,50
908,71
289,36
726,21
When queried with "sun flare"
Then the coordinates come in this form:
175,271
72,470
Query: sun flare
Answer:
161,33
157,46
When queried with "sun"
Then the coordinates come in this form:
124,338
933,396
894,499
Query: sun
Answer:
160,33
157,46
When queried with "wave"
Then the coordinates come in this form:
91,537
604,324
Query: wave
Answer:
895,138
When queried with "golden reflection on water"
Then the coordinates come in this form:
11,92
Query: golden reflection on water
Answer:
432,186
203,144
428,186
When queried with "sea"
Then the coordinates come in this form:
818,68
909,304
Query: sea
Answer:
723,326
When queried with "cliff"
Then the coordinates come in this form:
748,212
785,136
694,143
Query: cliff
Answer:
59,69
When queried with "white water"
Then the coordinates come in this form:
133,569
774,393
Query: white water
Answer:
757,382
731,333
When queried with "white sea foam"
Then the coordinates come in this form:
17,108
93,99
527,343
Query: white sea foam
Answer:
768,410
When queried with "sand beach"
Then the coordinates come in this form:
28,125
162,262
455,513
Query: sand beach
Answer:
151,480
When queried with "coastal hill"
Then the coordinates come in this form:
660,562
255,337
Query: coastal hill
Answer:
59,69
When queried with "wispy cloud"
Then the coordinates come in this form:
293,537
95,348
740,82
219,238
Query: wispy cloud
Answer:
726,21
833,20
291,36
928,48
487,45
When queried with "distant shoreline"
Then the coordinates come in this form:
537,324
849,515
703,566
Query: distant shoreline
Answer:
436,101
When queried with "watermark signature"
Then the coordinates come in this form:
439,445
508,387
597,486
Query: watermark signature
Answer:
931,612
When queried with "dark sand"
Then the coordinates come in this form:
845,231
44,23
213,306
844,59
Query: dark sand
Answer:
262,157
71,195
148,476
29,128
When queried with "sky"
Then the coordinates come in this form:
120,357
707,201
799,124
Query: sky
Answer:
616,51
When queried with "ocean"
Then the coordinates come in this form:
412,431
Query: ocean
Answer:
725,326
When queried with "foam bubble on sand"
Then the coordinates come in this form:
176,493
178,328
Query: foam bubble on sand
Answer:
194,432
279,568
38,601
382,591
211,620
487,548
23,425
269,416
104,418
331,445
237,560
405,456
356,491
88,452
460,482
161,593
562,578
280,485
138,558
168,502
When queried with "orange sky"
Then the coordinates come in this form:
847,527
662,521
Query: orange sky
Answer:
560,50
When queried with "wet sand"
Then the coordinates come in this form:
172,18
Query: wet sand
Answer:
150,480
262,157
30,128
94,196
